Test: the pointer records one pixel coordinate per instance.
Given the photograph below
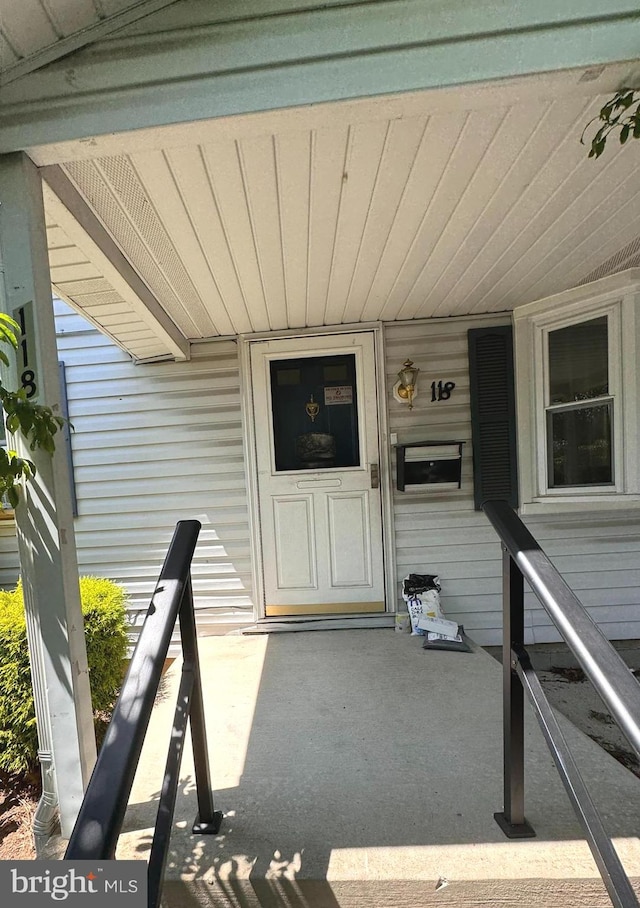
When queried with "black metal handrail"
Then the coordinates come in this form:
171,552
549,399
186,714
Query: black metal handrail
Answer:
99,822
524,559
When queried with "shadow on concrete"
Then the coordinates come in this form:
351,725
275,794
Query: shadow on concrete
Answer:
365,761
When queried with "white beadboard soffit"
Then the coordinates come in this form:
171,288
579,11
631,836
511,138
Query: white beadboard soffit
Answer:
83,284
148,329
394,210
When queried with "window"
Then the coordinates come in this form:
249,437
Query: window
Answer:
577,393
579,411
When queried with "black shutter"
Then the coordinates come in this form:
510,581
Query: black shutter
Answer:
493,417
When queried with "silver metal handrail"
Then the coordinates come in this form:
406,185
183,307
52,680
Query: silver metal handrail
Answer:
524,559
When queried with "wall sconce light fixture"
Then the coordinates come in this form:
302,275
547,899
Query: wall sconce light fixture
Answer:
406,388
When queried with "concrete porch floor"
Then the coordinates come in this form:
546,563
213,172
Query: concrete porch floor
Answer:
356,769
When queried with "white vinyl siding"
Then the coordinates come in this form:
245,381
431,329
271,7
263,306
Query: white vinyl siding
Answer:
8,555
154,444
439,532
598,558
161,442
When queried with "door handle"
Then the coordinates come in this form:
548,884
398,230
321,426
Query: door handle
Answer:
375,476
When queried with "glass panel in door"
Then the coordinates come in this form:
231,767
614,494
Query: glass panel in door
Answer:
314,404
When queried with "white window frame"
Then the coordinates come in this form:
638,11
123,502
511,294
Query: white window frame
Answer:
618,299
543,330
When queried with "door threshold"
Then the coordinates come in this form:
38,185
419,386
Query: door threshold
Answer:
323,623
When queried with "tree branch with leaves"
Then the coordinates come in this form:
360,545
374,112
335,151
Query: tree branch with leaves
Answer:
622,114
37,423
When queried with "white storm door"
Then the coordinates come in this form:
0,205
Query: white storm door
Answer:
316,431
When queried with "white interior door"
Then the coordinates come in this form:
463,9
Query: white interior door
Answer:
316,430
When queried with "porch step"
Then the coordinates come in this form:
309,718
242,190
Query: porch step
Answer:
301,893
356,769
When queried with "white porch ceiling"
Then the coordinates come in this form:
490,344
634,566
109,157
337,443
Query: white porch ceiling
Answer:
416,206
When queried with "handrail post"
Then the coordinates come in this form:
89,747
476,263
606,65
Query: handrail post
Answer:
524,559
101,815
512,820
208,820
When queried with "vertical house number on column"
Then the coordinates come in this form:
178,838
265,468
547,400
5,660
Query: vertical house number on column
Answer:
441,390
26,354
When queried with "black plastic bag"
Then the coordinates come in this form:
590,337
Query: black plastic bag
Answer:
456,646
415,584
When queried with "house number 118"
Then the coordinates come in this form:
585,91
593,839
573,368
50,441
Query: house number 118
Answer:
27,368
441,390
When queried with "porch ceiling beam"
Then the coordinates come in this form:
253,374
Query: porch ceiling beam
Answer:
212,68
82,226
80,39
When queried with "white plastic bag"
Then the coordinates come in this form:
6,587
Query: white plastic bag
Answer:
421,592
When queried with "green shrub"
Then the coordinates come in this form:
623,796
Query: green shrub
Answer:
104,611
18,735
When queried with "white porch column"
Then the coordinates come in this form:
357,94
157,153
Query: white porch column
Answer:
44,516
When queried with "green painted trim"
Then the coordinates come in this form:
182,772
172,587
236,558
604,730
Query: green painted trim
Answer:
305,57
66,45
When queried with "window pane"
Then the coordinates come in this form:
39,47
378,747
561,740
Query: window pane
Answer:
315,412
580,446
579,362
